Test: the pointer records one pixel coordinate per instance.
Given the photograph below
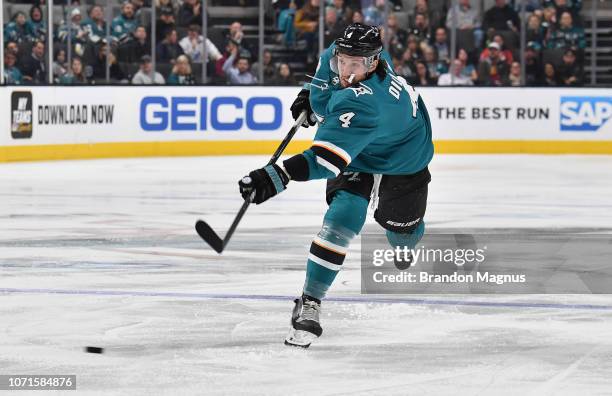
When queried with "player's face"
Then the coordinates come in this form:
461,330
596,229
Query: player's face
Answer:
351,69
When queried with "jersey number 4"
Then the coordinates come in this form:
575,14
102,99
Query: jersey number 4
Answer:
346,119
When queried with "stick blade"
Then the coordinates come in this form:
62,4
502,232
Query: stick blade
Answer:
208,235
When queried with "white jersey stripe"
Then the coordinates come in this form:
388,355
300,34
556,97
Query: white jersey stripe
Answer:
328,165
324,263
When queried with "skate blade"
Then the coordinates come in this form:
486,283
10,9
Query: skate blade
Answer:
299,338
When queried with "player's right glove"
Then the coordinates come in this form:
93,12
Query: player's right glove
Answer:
301,103
263,183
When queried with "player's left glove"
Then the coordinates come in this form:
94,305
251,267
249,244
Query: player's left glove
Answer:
302,103
264,183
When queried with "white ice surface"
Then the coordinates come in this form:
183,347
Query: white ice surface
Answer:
103,253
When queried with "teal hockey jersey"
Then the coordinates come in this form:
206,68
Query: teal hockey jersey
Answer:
376,126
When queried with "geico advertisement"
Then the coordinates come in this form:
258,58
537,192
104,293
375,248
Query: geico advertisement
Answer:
159,113
217,113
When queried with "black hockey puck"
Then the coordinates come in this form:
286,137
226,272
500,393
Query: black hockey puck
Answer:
92,349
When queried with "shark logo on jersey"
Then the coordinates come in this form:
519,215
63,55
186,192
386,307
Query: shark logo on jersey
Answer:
362,90
335,81
584,113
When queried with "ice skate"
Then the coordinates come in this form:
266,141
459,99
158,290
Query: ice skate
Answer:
305,326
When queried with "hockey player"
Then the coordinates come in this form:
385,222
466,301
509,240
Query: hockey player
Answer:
373,140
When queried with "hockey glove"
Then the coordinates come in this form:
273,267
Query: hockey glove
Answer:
301,103
263,183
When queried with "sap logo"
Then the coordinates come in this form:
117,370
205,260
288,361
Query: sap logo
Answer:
583,113
188,113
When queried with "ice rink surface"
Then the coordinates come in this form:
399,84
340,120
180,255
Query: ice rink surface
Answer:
103,253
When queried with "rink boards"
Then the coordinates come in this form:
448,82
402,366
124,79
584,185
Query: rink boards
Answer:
42,123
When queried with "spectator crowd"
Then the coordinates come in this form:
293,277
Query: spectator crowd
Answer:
88,49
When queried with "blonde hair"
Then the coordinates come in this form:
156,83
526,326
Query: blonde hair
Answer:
182,58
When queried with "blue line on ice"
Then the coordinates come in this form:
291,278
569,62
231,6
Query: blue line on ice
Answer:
355,299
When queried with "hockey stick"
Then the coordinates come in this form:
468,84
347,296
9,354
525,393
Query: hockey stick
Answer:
208,234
